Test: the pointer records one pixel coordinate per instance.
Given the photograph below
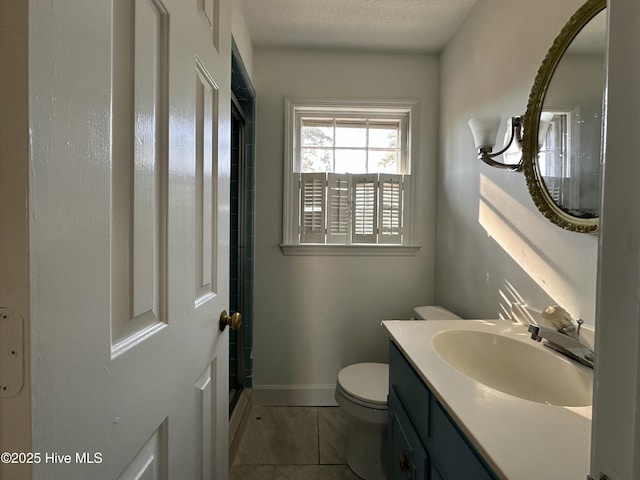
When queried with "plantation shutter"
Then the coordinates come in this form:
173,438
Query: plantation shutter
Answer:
390,208
338,196
312,207
365,214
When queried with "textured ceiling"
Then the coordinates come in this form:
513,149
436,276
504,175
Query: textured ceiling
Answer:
376,25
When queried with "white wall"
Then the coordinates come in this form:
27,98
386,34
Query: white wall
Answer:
241,35
305,331
491,239
485,71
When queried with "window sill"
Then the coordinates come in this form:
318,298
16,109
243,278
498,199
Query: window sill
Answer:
351,250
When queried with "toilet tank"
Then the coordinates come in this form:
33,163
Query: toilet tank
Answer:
434,312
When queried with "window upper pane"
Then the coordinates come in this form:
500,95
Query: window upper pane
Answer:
316,132
384,161
351,161
316,159
384,135
350,145
351,133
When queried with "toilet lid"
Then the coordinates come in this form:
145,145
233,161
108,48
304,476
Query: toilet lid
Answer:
368,382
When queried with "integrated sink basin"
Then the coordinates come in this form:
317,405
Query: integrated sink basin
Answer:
516,367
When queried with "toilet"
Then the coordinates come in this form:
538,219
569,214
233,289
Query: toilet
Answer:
361,393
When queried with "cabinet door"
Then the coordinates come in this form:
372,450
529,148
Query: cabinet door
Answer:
407,457
451,452
411,392
435,475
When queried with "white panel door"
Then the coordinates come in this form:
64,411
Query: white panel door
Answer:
129,227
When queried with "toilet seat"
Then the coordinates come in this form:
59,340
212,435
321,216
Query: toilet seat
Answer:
365,384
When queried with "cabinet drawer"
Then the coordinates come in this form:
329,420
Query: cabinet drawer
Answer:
456,458
411,391
408,459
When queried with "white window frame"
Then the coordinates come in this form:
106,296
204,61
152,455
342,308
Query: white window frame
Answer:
565,153
295,108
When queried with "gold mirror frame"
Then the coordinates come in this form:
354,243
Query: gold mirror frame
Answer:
535,182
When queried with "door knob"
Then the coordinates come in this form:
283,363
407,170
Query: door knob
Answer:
234,321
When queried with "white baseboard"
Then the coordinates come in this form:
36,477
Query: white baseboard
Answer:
294,395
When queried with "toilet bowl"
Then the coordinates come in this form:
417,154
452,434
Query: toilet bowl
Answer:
361,392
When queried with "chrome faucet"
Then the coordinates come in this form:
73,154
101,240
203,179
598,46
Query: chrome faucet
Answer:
564,340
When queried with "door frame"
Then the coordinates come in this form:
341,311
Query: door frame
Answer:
15,410
244,95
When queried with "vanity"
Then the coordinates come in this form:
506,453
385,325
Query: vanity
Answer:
450,417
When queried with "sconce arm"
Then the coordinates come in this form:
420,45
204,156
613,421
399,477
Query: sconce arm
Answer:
485,153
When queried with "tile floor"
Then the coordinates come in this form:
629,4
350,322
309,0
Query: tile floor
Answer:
292,443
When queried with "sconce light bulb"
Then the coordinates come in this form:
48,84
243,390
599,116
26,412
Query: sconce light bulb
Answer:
485,131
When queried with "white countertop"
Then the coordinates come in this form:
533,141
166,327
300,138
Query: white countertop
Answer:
518,438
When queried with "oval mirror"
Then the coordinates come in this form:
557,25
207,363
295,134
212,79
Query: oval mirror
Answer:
563,124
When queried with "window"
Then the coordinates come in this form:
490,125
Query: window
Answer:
348,177
556,157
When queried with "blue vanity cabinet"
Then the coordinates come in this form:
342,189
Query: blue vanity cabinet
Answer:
425,443
409,459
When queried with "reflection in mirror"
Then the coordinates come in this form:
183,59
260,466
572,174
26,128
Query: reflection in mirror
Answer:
569,157
564,123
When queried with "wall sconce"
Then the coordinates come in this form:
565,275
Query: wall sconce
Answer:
485,131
